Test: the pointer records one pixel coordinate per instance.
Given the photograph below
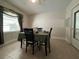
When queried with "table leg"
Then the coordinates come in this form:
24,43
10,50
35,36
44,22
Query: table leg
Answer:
21,43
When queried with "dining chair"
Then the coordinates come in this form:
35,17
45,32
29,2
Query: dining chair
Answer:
30,38
46,42
49,39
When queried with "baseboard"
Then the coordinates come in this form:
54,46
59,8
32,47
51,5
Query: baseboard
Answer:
61,38
68,41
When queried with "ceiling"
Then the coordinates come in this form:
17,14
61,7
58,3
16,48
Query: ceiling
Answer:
46,6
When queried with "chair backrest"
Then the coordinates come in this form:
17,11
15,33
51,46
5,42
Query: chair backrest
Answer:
50,33
29,34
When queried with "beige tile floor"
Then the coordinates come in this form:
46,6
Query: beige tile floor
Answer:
59,50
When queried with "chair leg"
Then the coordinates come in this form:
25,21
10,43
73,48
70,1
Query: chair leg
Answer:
21,43
49,48
33,49
26,46
38,44
39,47
46,49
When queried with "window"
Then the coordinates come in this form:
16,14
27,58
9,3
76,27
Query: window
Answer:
10,23
76,25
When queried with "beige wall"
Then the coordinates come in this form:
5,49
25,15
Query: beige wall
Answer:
51,19
73,7
31,19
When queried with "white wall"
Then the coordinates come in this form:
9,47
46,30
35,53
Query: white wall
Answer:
68,18
73,7
11,36
51,19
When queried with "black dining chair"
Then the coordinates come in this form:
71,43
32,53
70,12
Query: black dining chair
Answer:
49,39
46,42
30,38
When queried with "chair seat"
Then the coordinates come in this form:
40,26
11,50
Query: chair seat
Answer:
30,42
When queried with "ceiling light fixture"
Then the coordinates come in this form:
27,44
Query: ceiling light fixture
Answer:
37,1
33,1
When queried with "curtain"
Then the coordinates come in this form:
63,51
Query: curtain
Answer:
1,26
20,17
20,23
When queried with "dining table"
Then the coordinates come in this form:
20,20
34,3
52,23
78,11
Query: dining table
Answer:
39,36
